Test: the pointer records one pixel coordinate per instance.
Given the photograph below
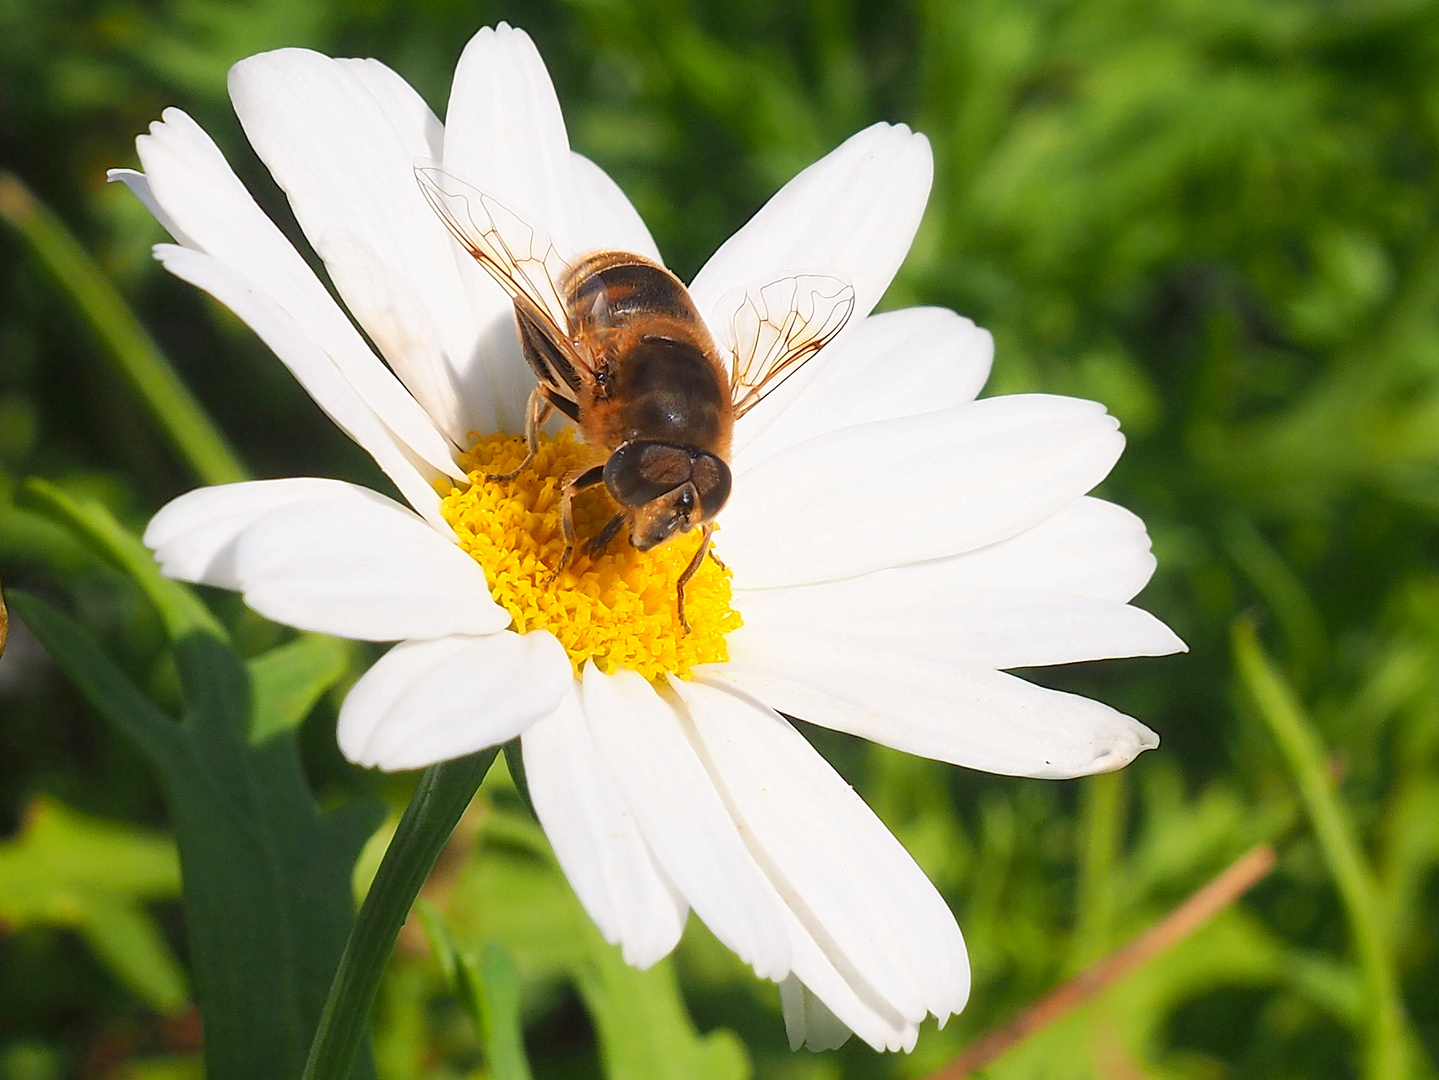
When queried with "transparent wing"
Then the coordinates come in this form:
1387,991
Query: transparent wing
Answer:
519,256
776,328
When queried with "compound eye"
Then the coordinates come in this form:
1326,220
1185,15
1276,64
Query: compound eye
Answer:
641,472
712,480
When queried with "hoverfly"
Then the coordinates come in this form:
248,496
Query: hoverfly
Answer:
617,345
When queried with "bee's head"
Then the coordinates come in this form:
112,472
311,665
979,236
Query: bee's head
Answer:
665,488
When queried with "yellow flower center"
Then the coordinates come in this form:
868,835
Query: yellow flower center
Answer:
617,607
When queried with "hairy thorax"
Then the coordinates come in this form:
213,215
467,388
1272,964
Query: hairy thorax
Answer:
661,376
669,392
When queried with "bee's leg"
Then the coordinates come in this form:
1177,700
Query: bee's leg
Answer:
537,411
586,479
717,560
690,571
601,540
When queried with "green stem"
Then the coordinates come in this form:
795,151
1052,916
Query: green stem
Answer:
444,792
93,525
1284,594
1102,821
1386,1056
187,426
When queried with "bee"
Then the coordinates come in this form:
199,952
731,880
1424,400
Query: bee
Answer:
618,347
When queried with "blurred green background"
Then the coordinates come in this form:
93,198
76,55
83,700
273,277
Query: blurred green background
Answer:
1218,217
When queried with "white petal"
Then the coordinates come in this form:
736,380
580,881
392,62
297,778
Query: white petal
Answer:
140,188
843,874
687,827
607,218
920,610
199,193
430,701
596,839
949,711
413,121
807,1022
321,379
1089,548
192,535
856,1008
922,487
852,214
361,568
401,323
345,157
899,363
504,134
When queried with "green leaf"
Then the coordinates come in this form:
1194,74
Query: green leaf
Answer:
515,764
104,686
161,1068
1388,1053
131,945
440,943
644,1029
489,989
191,432
66,869
266,876
26,1060
515,893
30,537
179,607
495,982
261,865
287,681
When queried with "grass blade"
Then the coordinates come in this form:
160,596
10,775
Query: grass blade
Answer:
189,429
1386,1055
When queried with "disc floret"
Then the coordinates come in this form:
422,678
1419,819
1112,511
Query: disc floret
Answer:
616,607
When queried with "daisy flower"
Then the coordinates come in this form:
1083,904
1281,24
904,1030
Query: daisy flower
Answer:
891,547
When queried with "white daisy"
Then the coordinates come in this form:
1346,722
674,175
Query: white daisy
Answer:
894,544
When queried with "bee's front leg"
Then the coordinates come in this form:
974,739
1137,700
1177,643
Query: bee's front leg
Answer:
537,411
596,544
690,572
587,479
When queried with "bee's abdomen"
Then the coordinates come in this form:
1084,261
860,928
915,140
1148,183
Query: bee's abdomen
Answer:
621,288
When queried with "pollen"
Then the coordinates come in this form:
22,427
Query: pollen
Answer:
617,607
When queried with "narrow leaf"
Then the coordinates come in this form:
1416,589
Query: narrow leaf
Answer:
266,876
131,945
287,681
1387,1053
440,943
105,686
515,763
489,990
524,901
185,423
69,870
179,608
499,990
644,1030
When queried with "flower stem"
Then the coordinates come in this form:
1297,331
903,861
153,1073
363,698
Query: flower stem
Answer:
443,793
189,429
1386,1055
1102,817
